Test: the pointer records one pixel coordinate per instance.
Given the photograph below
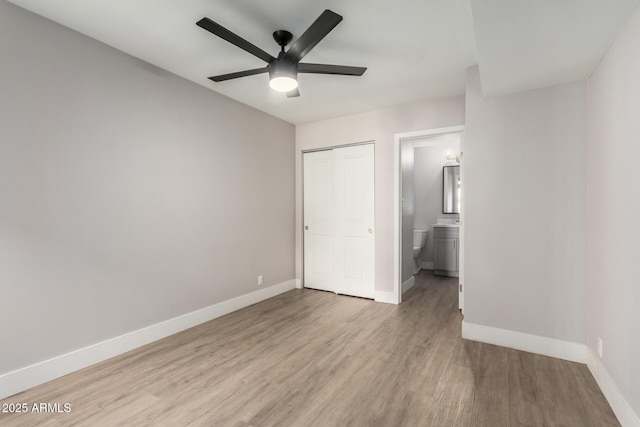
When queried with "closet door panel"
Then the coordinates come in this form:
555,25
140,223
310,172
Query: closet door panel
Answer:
354,220
319,255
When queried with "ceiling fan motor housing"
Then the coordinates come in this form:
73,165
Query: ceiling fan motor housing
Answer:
283,68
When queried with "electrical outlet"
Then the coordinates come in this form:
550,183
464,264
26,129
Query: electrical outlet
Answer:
600,347
260,280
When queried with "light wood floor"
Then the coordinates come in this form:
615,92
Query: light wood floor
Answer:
310,358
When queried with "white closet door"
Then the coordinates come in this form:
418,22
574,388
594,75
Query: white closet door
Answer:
338,220
353,213
319,268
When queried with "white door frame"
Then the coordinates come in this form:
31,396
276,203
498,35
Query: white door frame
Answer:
398,139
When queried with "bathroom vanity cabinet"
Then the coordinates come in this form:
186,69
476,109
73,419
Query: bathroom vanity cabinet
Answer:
446,250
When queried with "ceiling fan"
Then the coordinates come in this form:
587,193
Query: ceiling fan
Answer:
283,70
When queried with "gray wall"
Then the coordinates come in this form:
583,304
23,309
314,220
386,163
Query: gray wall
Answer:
525,214
408,209
614,209
379,126
128,196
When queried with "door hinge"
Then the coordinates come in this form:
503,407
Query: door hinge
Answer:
460,287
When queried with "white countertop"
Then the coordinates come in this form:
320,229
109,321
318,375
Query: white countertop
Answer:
446,225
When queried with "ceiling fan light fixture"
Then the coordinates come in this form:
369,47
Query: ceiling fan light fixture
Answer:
283,75
283,83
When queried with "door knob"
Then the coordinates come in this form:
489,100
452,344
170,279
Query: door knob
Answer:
306,227
371,231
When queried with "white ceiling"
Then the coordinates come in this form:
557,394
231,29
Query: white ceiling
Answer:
414,49
537,43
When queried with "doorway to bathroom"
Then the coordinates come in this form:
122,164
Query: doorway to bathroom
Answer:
429,200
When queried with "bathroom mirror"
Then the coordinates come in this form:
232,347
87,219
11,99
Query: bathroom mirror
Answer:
451,189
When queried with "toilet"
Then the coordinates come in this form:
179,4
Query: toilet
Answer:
419,241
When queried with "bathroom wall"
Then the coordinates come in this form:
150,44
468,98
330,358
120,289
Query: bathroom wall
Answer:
128,195
408,209
427,182
614,209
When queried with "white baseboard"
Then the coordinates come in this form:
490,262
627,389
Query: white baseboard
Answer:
298,283
618,403
410,283
47,370
566,350
388,297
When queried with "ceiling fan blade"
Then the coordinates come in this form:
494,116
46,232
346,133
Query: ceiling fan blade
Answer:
233,38
237,74
293,93
342,70
316,32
